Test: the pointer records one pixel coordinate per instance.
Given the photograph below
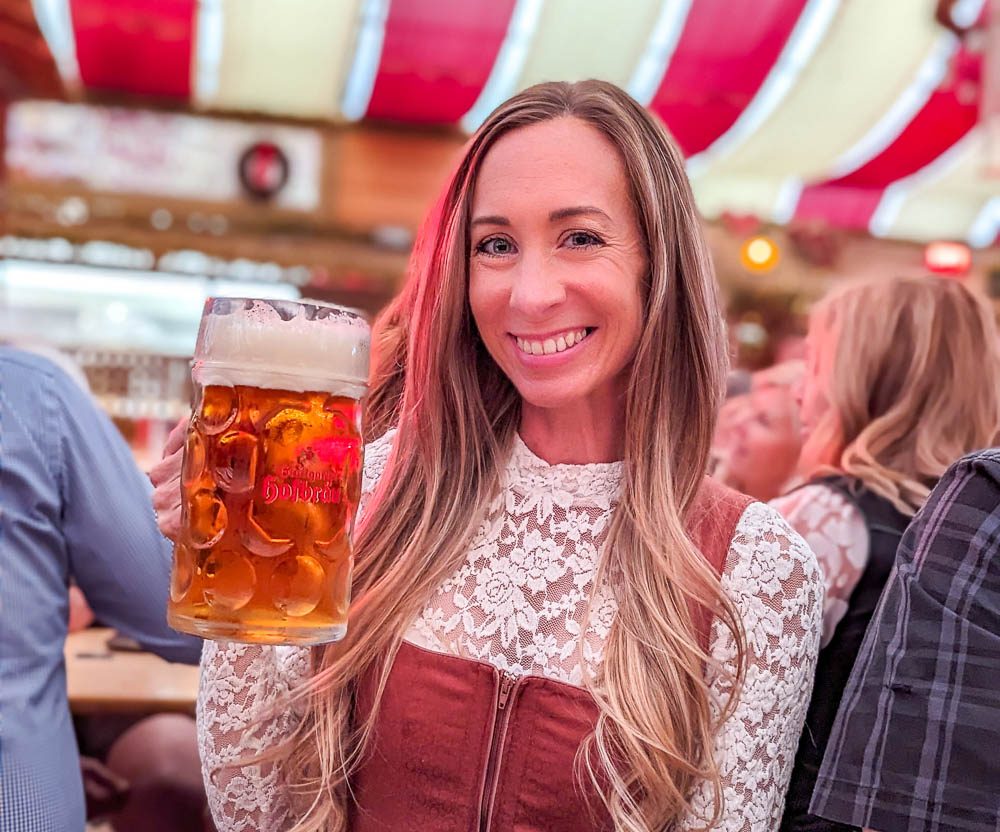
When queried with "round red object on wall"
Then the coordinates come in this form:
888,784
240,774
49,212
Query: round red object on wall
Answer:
264,170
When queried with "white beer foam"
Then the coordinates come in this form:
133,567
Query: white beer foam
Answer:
283,345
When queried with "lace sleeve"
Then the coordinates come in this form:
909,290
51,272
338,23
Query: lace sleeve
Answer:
772,577
835,530
376,457
240,685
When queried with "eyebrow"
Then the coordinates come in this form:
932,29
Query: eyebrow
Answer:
491,220
582,210
555,216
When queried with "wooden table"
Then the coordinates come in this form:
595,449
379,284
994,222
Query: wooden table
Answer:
100,680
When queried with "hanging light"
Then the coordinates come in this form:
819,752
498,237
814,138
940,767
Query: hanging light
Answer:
759,254
948,258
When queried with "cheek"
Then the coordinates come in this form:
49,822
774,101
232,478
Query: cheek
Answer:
486,301
814,401
615,286
626,308
759,442
809,389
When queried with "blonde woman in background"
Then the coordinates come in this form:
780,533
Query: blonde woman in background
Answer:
902,379
559,623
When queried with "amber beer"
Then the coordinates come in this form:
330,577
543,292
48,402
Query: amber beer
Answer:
272,473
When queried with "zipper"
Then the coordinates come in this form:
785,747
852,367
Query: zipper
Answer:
500,718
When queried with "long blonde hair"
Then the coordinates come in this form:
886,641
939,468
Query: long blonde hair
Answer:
915,382
457,417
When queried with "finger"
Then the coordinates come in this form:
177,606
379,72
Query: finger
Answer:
168,495
170,523
166,469
175,441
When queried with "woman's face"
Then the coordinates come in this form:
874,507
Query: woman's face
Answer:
815,414
557,264
757,441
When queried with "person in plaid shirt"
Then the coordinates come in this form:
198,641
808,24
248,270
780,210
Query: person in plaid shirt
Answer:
916,744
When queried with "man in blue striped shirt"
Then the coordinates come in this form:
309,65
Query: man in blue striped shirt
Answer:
73,505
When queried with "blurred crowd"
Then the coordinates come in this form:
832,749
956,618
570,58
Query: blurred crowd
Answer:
899,383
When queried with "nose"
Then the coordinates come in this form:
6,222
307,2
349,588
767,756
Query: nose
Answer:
537,290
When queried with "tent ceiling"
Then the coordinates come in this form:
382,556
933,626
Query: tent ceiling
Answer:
861,115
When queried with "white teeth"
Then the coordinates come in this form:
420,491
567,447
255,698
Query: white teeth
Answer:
550,346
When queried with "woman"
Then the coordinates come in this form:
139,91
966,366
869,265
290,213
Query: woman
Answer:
758,438
902,379
554,609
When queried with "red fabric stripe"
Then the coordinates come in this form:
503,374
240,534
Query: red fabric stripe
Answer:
436,57
950,112
723,56
141,47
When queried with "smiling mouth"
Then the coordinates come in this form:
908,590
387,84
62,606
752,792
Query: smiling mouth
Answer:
554,344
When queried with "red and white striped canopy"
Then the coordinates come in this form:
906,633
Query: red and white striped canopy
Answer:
863,114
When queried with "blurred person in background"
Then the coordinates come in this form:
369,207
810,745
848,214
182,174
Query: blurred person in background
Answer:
63,361
74,508
902,379
758,437
915,743
738,382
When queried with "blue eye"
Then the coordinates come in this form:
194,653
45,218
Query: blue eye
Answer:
495,247
583,239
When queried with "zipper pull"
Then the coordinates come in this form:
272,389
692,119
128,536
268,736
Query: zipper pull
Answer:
506,685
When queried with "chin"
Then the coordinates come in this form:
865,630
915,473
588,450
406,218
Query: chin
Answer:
549,395
546,399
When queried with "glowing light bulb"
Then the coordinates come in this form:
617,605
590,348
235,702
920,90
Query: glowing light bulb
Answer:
759,254
948,258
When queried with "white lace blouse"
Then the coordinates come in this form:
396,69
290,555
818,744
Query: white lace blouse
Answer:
836,531
518,602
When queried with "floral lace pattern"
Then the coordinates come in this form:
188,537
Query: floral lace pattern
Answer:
519,601
773,580
239,684
835,530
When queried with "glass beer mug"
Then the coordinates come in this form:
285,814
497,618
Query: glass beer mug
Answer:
272,473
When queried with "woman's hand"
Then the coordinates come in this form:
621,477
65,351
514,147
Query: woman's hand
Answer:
166,479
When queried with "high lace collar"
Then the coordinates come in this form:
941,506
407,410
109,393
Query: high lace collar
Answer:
528,471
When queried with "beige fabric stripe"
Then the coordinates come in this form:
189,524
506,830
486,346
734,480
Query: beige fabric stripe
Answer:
945,206
579,39
289,58
855,76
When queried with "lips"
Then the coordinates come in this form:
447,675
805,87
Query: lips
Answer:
552,344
